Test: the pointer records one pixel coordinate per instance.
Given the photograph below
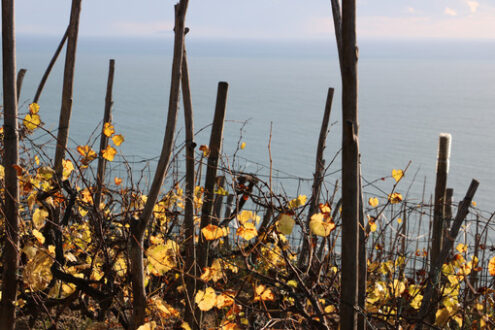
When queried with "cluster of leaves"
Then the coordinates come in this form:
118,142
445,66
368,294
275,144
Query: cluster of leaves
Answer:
75,255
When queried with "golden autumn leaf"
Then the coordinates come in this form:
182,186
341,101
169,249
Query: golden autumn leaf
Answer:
373,201
395,198
214,273
31,121
299,201
225,299
34,108
162,257
37,274
39,217
243,145
68,167
462,248
263,293
373,227
87,153
39,236
247,231
285,224
117,181
118,139
246,216
319,226
397,174
109,153
148,326
491,266
108,129
206,299
212,232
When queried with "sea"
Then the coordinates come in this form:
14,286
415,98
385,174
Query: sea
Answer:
410,91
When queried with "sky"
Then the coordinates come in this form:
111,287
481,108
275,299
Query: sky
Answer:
262,19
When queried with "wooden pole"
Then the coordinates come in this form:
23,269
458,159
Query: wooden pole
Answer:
350,168
211,170
440,189
50,66
10,158
190,258
448,243
318,176
68,85
138,227
20,79
107,118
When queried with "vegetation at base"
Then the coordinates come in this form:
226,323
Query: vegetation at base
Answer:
79,267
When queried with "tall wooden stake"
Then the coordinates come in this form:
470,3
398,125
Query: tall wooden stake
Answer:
107,118
68,85
10,158
138,227
350,168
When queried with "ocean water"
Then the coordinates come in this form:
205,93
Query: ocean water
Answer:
409,93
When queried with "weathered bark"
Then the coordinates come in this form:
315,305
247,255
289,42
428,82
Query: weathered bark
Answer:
68,85
190,258
139,226
350,168
107,118
10,157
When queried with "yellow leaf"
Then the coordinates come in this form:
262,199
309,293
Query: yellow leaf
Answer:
206,300
247,231
34,108
246,216
215,272
109,153
39,236
263,293
319,227
68,167
399,220
225,299
162,257
37,274
185,326
491,266
118,139
395,198
330,309
212,232
397,174
87,153
299,201
473,203
243,145
36,159
39,217
373,201
148,326
204,148
285,224
108,129
462,248
372,227
46,172
31,121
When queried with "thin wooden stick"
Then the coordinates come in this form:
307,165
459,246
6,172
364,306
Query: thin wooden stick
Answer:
68,85
448,243
20,79
211,170
10,158
50,66
138,227
107,118
318,177
190,258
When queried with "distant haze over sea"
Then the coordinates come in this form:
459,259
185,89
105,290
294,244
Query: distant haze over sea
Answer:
410,91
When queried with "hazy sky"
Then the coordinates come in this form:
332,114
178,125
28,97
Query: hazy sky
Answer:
267,19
